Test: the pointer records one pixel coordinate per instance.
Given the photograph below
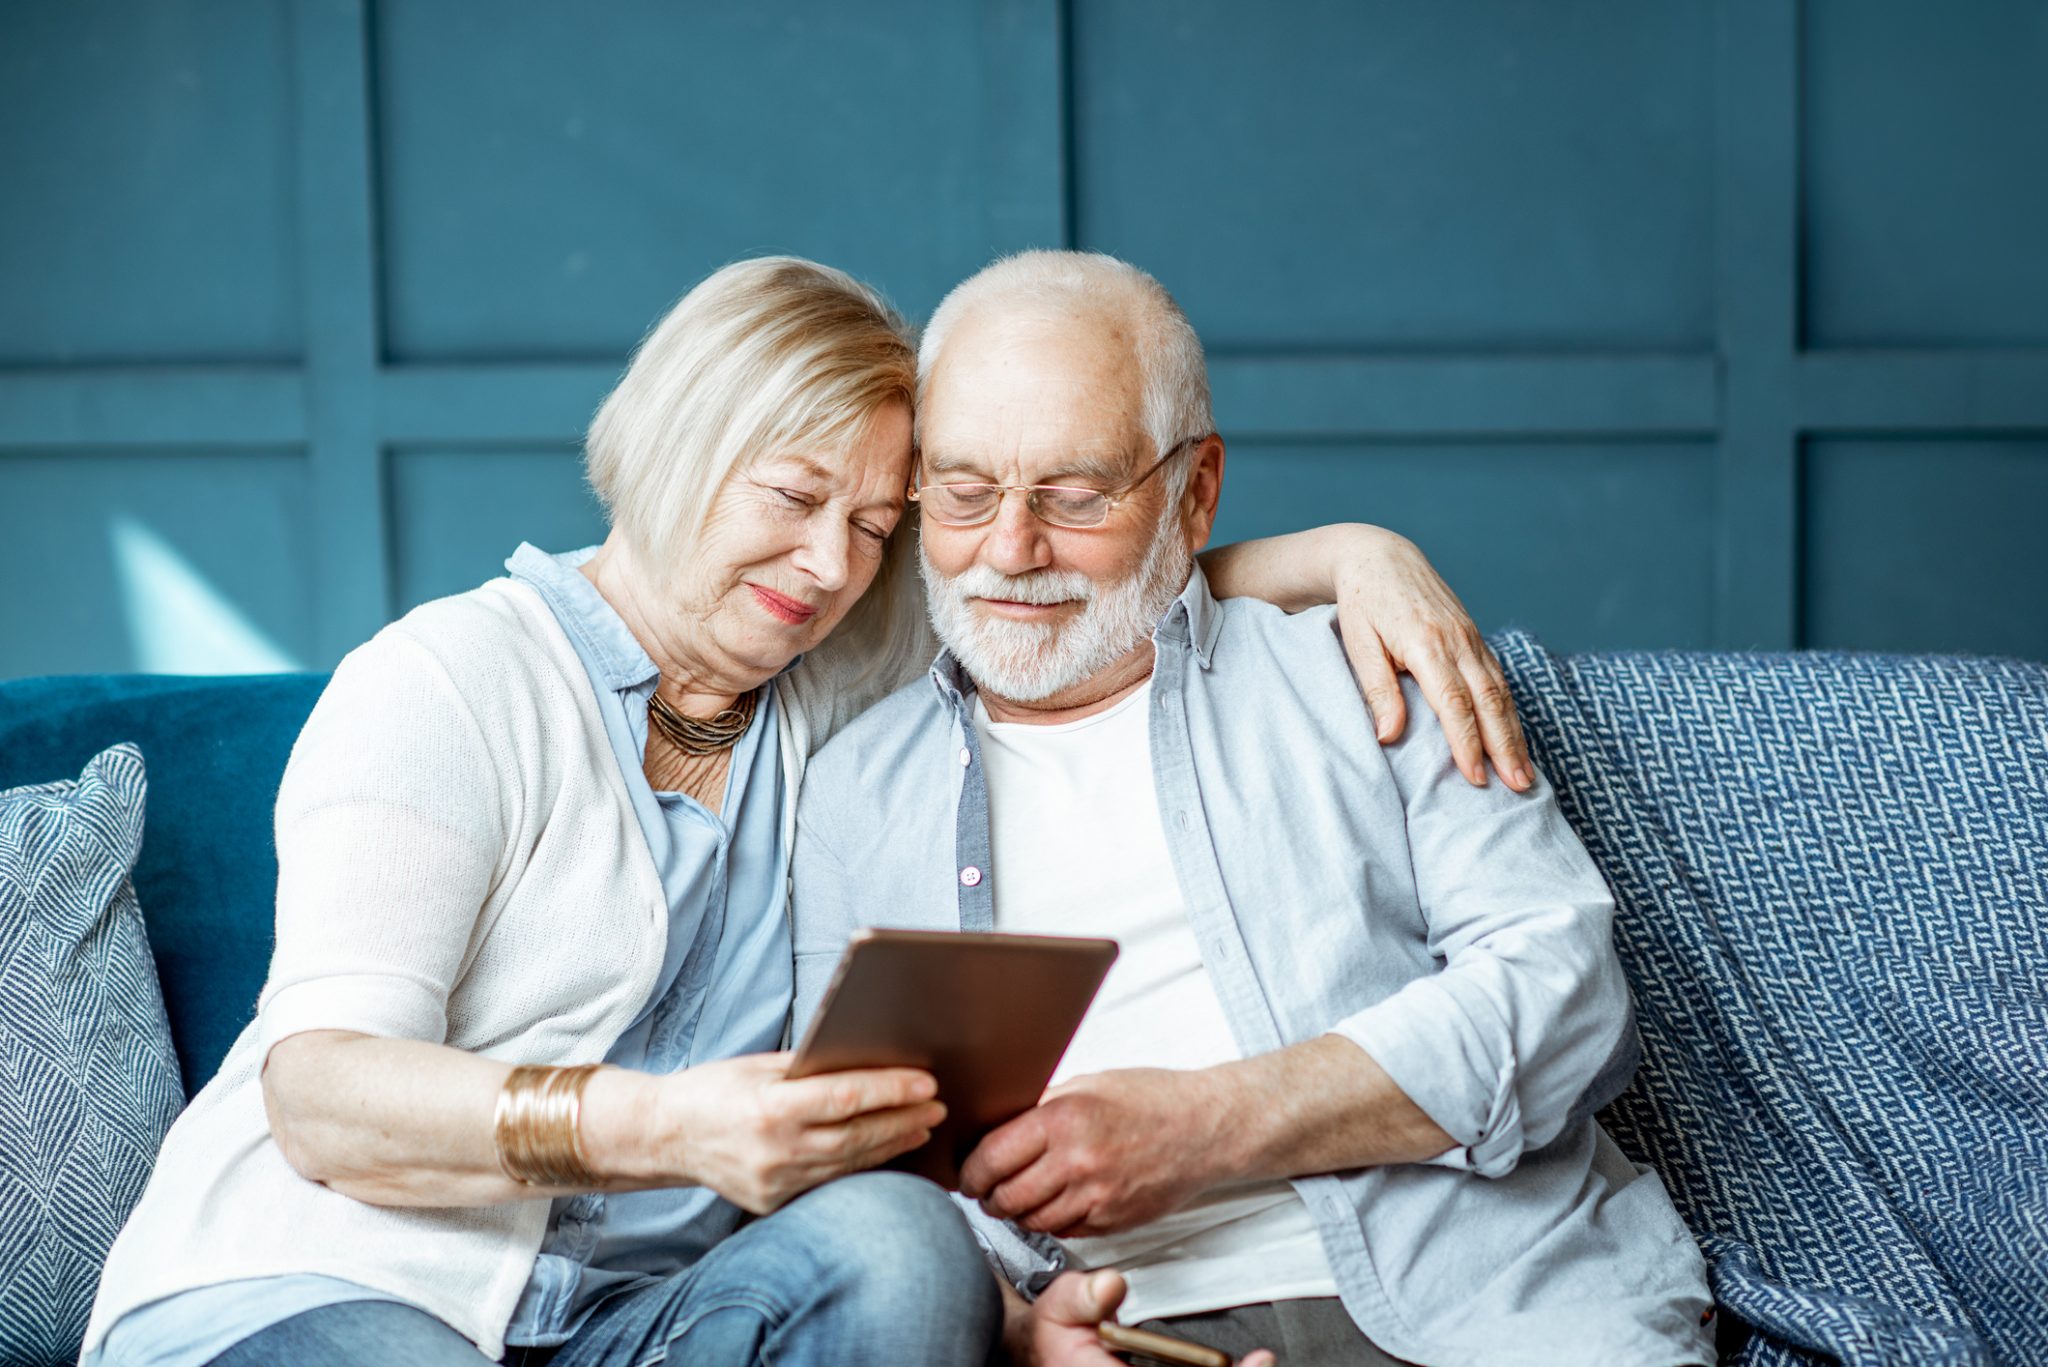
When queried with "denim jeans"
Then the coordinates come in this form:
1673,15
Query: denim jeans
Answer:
874,1268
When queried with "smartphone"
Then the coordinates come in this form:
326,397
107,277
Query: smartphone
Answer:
1158,1347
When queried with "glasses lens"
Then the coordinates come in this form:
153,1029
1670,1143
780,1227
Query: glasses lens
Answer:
962,504
1069,507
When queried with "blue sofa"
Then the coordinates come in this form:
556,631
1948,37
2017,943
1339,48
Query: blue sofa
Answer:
1833,879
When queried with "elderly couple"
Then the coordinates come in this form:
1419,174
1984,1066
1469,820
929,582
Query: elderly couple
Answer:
557,855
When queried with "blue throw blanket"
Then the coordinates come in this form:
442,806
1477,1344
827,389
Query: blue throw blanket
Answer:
1832,873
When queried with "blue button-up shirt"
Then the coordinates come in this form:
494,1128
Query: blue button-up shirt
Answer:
1460,935
725,979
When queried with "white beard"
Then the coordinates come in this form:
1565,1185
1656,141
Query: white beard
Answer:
1032,661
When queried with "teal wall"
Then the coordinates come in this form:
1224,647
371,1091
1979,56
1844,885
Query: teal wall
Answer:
1657,324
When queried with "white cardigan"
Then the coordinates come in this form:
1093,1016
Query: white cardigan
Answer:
456,762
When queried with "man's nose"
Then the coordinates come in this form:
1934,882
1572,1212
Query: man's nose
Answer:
1016,541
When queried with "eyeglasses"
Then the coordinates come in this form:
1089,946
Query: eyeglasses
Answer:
971,505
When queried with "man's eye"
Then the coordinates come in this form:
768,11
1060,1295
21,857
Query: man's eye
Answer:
1063,500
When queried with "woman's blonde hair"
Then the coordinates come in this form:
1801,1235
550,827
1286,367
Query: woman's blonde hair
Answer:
762,355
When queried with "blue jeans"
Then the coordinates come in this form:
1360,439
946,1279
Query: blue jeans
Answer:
874,1268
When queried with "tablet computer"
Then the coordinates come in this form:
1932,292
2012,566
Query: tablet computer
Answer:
987,1015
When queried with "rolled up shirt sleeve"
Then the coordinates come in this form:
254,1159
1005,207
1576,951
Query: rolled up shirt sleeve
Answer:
390,834
1529,1013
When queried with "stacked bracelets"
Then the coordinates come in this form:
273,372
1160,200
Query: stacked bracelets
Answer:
540,1142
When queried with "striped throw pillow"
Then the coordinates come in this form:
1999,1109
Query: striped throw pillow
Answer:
88,1079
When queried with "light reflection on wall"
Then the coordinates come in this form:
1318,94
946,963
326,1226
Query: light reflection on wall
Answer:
178,622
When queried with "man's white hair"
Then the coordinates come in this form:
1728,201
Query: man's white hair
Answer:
1174,376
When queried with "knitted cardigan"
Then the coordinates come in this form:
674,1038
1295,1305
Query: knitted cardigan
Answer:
458,862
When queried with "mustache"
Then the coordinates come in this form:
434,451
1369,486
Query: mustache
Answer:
1041,587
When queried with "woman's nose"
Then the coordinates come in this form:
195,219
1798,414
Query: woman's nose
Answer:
826,555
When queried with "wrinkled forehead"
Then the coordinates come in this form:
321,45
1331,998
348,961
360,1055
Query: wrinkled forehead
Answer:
1019,385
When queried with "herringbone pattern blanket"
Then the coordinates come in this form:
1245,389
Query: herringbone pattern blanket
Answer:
1832,873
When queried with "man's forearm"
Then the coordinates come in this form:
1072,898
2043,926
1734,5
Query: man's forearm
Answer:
1322,1105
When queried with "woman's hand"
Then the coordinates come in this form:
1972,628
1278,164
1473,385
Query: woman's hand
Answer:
744,1129
1397,614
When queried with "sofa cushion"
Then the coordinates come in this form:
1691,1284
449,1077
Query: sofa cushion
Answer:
1832,877
88,1081
208,871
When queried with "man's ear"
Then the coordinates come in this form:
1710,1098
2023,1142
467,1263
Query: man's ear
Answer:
1205,491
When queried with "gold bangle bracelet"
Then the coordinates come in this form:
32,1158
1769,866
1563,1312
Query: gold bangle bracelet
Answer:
538,1129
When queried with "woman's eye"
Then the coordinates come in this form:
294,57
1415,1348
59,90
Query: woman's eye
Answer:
795,498
872,533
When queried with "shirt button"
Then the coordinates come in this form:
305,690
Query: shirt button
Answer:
1184,820
970,877
966,757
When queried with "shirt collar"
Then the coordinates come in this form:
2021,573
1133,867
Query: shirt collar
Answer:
1190,623
606,643
950,679
1193,621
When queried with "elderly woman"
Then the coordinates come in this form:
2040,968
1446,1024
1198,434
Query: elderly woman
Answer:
511,1091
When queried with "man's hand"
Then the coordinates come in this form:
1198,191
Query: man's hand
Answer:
1115,1150
1105,1152
1058,1329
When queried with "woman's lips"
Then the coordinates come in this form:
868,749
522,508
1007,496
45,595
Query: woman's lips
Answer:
784,607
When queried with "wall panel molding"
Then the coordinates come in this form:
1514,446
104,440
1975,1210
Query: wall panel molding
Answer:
1935,391
1025,131
483,404
338,273
1393,396
239,406
1749,400
1757,289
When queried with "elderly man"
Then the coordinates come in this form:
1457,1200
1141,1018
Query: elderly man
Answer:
1335,1098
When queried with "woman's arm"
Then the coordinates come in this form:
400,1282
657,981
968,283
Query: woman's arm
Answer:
391,830
397,1122
1397,614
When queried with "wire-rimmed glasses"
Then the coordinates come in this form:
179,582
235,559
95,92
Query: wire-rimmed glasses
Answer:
971,505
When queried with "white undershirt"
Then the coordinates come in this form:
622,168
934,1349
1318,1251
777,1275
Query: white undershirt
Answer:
1079,850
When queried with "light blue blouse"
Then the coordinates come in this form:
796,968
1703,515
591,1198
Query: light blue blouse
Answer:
724,990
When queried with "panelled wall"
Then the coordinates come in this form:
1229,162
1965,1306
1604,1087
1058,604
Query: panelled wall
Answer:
1675,324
